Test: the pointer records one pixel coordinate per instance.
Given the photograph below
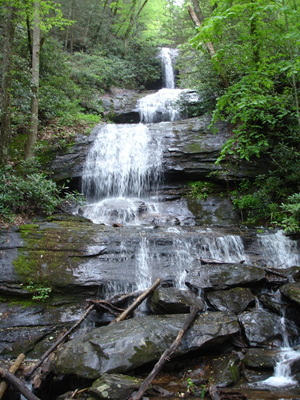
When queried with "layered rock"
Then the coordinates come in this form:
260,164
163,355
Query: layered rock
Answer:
129,344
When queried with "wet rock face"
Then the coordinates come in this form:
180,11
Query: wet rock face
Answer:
292,292
174,301
227,370
129,344
223,276
261,358
261,328
115,386
233,300
191,150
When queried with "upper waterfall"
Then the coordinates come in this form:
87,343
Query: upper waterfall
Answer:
167,57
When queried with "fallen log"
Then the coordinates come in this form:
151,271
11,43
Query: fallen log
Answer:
121,298
137,302
53,347
213,392
46,368
106,306
19,385
13,369
167,354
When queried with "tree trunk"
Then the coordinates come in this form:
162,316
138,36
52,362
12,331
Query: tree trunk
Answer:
68,26
209,46
292,62
132,22
197,10
32,138
5,133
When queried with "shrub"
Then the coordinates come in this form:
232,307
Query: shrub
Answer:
31,193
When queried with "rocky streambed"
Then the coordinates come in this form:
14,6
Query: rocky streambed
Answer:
235,341
245,281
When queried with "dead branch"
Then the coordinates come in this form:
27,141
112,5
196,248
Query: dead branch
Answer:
120,298
213,392
99,304
53,347
17,384
167,354
137,302
45,370
13,369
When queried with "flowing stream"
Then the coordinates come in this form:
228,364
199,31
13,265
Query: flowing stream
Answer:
121,178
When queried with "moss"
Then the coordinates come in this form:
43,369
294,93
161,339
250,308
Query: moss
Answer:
194,148
51,253
16,146
143,352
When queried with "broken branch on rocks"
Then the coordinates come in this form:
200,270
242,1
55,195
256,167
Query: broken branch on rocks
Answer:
102,304
17,384
137,302
46,368
54,346
13,369
167,354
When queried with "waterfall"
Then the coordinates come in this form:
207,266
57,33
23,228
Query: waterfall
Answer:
282,376
276,246
228,248
123,165
167,56
123,161
160,106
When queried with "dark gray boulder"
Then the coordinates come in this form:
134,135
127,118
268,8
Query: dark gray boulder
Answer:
129,344
223,276
174,301
261,358
292,292
115,386
233,300
261,328
226,370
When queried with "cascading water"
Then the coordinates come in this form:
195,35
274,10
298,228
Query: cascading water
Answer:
167,57
123,165
121,180
287,355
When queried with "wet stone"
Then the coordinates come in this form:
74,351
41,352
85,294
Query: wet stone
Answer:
115,386
226,370
261,328
292,292
271,302
174,301
261,358
126,345
223,276
233,300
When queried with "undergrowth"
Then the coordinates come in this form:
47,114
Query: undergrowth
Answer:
25,192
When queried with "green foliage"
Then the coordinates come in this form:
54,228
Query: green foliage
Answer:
190,386
291,219
24,190
100,71
201,190
256,112
39,293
